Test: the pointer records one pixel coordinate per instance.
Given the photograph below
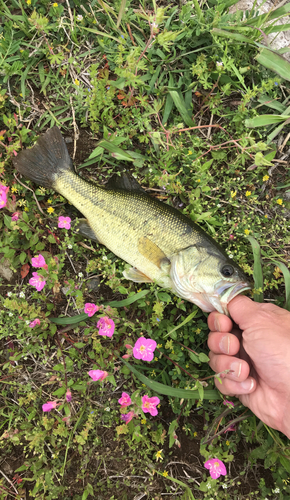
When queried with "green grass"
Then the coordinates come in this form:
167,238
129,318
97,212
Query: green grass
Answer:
184,98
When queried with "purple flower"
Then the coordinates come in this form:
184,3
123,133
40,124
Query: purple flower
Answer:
15,216
106,326
216,468
90,309
3,195
149,405
144,349
33,323
64,222
125,400
228,403
50,405
98,374
127,417
37,281
68,396
38,261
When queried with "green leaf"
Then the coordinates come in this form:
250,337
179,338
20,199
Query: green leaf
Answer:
258,271
129,300
180,104
286,275
118,153
233,36
189,318
171,391
274,62
264,120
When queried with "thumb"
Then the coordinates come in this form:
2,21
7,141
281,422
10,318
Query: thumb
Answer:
242,310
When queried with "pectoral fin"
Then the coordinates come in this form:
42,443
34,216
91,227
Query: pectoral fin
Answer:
151,251
82,227
134,275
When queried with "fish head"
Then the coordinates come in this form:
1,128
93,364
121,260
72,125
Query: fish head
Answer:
205,276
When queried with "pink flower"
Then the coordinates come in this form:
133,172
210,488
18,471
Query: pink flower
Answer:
37,281
3,195
232,427
97,375
68,396
144,349
91,309
15,216
125,400
33,323
64,222
149,405
228,403
127,417
106,326
216,468
50,405
38,261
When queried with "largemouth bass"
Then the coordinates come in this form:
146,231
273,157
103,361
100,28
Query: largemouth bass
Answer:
159,242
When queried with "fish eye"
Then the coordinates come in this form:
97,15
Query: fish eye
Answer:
227,270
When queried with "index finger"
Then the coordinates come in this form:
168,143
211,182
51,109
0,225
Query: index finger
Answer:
218,322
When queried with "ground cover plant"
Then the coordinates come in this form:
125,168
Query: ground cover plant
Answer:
106,390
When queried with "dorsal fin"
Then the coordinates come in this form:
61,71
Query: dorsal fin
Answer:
124,181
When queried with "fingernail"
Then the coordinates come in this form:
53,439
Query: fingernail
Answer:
217,324
247,385
225,344
237,368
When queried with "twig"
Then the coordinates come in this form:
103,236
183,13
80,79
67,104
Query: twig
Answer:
10,482
70,15
24,185
76,134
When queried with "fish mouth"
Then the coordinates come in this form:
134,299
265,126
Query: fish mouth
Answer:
227,291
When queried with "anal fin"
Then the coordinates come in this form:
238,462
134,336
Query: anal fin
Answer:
134,275
82,227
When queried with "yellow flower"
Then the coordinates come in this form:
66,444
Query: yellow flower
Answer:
21,50
227,443
195,434
77,82
265,178
26,209
190,152
159,455
247,231
21,95
233,194
155,359
248,193
165,473
279,201
28,2
50,210
198,330
49,201
143,421
198,180
266,216
1,138
14,189
55,4
159,345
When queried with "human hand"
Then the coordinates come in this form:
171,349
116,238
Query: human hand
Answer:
257,351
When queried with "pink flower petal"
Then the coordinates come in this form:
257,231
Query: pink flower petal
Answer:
37,281
216,468
106,326
38,261
149,405
68,396
50,405
144,349
125,400
98,374
91,309
64,222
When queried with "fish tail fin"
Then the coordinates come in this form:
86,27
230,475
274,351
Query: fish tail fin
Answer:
46,160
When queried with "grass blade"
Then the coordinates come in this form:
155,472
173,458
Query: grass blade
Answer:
286,274
183,323
258,271
121,12
171,391
117,152
274,62
233,36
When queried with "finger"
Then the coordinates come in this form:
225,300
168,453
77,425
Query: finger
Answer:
238,369
241,390
242,309
223,343
218,322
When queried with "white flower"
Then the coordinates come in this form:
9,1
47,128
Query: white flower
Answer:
79,17
22,295
224,486
10,314
219,63
108,409
27,322
208,486
69,246
218,205
231,256
80,275
9,294
276,490
105,257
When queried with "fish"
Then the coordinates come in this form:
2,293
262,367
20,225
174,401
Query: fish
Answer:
161,244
